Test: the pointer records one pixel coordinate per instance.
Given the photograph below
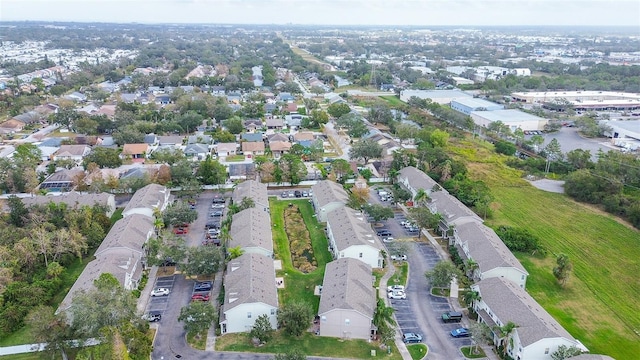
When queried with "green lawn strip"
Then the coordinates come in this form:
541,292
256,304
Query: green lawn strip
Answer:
400,275
417,351
467,351
597,304
310,344
394,101
197,343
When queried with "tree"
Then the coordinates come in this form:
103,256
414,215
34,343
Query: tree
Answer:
442,273
27,155
424,218
223,136
384,321
562,270
553,150
505,147
262,329
86,125
197,317
378,212
17,211
293,169
341,168
107,304
471,296
179,213
338,109
103,157
234,125
406,131
505,331
480,333
127,135
315,119
580,159
353,123
565,352
235,252
51,329
169,156
439,138
292,354
211,172
295,317
365,149
203,260
380,114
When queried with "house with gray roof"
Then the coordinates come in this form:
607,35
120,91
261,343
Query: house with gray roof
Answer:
72,152
348,300
200,139
327,196
62,180
253,190
251,231
249,292
196,152
173,140
147,199
537,334
413,180
453,211
75,200
477,242
351,236
129,233
257,136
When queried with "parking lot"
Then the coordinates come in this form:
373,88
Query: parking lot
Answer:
159,303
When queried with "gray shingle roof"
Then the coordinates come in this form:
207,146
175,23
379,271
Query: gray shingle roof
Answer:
327,191
486,248
251,189
417,179
449,207
350,228
250,278
510,302
72,199
129,233
348,285
251,228
150,197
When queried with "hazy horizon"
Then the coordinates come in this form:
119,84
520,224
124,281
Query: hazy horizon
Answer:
462,13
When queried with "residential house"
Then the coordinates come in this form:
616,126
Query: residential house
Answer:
151,139
290,108
537,334
251,231
351,236
249,292
270,107
171,140
200,139
242,171
143,172
274,124
477,242
218,90
415,180
348,300
196,152
226,149
285,97
148,199
453,211
327,196
11,126
303,136
76,96
278,137
279,148
293,120
250,148
256,136
135,152
252,124
62,180
71,152
253,190
162,99
75,200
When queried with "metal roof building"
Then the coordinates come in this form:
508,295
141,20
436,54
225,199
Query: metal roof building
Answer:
510,117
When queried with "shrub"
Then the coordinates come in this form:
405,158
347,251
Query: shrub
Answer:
505,147
517,239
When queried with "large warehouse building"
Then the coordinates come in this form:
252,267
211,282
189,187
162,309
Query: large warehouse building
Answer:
467,105
437,96
512,118
584,100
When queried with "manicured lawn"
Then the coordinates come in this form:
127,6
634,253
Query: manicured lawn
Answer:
299,286
418,351
234,158
468,352
197,343
400,275
393,101
309,343
598,305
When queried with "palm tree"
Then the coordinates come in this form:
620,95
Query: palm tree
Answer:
383,318
421,195
471,296
470,267
505,332
235,252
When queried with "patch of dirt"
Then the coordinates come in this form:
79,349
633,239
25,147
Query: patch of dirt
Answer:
302,256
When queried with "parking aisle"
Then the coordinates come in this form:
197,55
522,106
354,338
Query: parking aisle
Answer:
159,303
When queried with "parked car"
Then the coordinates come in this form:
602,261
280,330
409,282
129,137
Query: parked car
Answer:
180,231
200,297
460,332
292,194
218,199
395,288
160,292
397,295
305,193
216,213
152,316
383,232
409,338
202,286
284,194
399,257
388,239
297,193
452,317
217,206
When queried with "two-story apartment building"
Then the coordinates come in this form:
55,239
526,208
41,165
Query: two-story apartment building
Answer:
351,236
327,196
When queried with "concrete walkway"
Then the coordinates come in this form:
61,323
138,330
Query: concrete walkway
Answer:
382,292
215,293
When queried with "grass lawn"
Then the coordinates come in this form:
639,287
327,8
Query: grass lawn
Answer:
297,285
400,275
598,305
418,351
393,100
467,351
197,343
310,344
234,158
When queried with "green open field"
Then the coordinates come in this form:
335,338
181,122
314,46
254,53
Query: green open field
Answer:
599,304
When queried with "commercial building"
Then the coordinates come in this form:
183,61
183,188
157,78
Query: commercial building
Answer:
584,100
514,119
437,96
467,105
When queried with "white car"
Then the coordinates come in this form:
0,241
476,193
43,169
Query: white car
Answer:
395,288
399,257
388,239
160,292
397,295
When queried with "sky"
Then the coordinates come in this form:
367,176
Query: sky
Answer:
332,12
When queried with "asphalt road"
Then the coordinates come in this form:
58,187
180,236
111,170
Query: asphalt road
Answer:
569,139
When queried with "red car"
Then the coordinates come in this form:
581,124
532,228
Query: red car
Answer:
200,297
180,231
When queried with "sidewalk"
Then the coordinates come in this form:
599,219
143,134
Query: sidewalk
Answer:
382,292
215,293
